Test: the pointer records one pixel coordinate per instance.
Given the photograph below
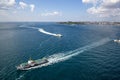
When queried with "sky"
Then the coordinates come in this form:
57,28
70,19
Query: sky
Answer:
59,10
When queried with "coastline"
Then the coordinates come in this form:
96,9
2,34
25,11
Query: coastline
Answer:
88,22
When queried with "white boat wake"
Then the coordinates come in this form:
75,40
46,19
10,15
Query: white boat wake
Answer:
45,32
55,58
49,33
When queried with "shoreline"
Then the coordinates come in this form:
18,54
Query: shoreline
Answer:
88,22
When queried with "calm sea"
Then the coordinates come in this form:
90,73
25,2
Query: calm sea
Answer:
85,52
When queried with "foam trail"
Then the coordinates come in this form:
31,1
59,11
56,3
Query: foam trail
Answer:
49,33
55,58
43,31
21,76
29,27
65,56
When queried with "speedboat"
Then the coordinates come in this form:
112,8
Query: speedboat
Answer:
32,64
58,35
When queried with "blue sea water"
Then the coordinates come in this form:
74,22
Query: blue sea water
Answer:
85,52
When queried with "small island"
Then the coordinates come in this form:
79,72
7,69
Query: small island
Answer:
88,22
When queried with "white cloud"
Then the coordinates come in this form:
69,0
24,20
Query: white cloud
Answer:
32,6
55,13
14,11
8,8
7,4
89,1
104,8
23,5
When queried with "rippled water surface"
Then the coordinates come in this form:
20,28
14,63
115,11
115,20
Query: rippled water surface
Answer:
84,52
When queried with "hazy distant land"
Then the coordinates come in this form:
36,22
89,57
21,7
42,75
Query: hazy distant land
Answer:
84,23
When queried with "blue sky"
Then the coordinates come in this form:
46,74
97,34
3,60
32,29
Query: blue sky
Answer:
59,10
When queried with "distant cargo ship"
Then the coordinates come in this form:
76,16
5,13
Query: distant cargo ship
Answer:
32,64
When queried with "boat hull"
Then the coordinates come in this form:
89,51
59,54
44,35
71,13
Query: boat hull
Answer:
28,67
